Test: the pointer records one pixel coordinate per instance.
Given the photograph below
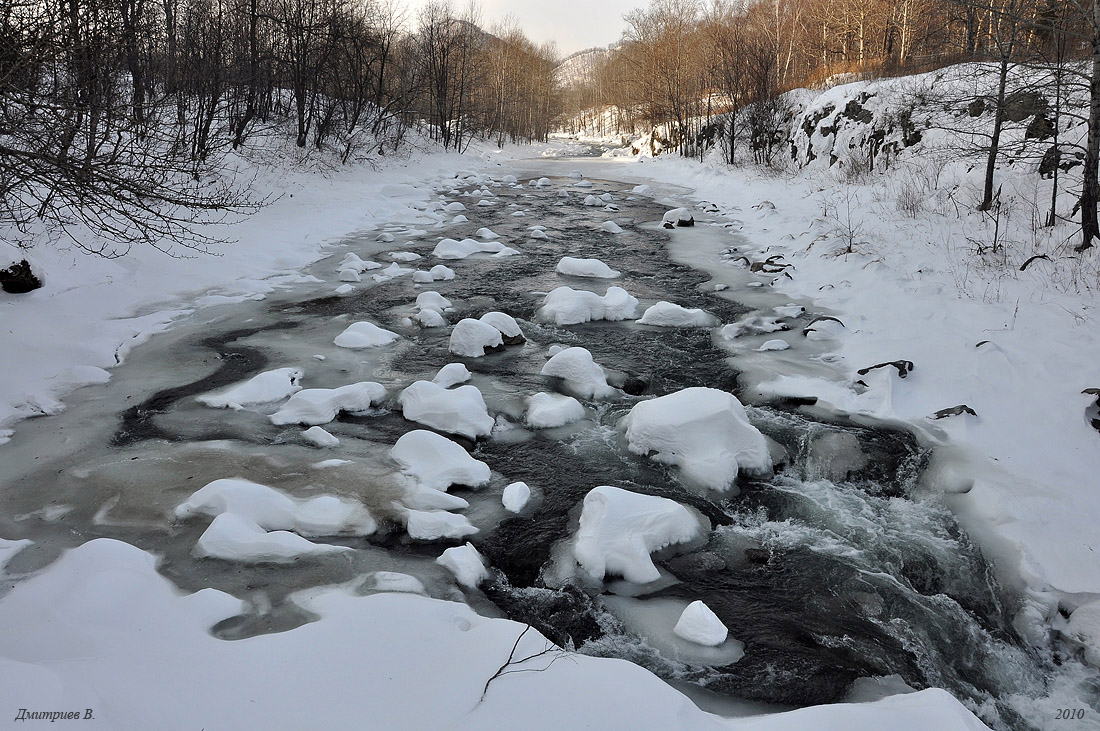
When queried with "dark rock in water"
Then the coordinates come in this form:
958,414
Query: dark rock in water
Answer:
684,222
1040,128
513,339
566,616
758,555
669,224
635,386
19,279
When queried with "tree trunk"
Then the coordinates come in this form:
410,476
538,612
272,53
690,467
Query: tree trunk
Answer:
1090,228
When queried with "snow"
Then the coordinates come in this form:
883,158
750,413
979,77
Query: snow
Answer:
466,564
487,234
452,249
1084,627
430,318
700,625
611,227
393,581
452,374
436,462
364,335
580,374
641,190
504,323
430,300
350,275
568,306
543,183
318,437
232,537
460,410
433,525
515,496
591,201
316,406
549,410
703,431
344,289
405,256
619,530
667,314
772,345
442,273
263,388
471,338
585,268
352,261
677,216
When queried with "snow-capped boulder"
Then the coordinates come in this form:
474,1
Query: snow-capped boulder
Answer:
515,496
641,190
422,277
452,249
471,338
234,538
432,301
350,275
364,335
436,462
487,234
442,273
568,306
619,530
318,437
459,410
772,345
1084,627
700,625
574,267
548,410
703,431
678,217
611,227
260,389
433,525
668,314
753,325
466,564
583,184
543,183
452,374
454,207
352,261
509,329
316,406
430,318
580,373
591,201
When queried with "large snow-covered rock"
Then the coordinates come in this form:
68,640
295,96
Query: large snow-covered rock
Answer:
260,389
470,338
466,564
452,374
436,462
668,314
459,410
316,406
352,261
700,625
581,374
548,410
430,300
454,249
364,335
703,431
515,496
619,530
575,267
568,306
506,324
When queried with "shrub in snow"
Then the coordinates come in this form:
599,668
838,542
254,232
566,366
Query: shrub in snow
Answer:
574,267
619,530
460,410
581,374
568,306
700,625
515,496
509,329
668,314
452,374
316,406
548,410
260,389
364,335
466,564
19,279
471,338
703,431
436,462
318,437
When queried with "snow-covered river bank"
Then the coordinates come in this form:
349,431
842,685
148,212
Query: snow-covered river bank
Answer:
838,574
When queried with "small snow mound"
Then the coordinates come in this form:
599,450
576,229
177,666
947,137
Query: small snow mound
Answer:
432,525
318,437
668,314
466,564
392,581
641,190
549,410
619,530
455,411
543,183
506,324
364,335
452,249
509,180
234,538
753,325
316,406
442,273
422,277
703,431
591,201
538,234
430,318
430,300
606,197
452,374
774,345
471,338
344,289
583,184
487,234
454,207
515,496
700,625
574,267
568,306
436,463
351,260
611,227
350,275
404,256
460,219
260,389
679,217
580,372
791,310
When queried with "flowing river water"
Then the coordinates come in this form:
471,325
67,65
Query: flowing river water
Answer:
839,568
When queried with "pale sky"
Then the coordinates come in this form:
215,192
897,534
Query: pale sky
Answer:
574,24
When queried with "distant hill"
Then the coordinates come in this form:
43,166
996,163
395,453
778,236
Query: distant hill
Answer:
577,67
